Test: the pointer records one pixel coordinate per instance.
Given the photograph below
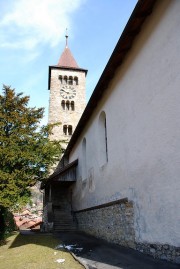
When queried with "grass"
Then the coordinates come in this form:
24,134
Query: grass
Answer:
35,252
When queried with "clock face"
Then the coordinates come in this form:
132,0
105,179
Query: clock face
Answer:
67,92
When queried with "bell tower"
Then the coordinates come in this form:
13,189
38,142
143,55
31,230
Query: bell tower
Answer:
67,82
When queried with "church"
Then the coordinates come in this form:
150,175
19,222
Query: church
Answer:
119,176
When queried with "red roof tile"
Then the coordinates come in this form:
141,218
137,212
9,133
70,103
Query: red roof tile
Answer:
67,59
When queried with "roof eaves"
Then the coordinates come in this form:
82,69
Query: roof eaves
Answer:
59,172
64,169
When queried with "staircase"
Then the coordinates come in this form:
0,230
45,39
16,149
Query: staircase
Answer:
63,218
63,221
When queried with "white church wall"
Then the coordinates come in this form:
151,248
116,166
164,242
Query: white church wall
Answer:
143,130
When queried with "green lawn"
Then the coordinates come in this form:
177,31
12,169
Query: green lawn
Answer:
35,252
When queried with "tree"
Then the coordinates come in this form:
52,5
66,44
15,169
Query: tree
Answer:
26,153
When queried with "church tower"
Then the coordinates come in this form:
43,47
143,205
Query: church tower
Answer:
67,95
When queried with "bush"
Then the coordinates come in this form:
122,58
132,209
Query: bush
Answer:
7,224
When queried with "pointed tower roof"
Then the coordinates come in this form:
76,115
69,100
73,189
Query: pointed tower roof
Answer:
67,59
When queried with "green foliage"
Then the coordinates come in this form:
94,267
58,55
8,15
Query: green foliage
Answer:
26,153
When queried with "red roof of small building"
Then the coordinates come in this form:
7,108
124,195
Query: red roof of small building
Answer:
67,59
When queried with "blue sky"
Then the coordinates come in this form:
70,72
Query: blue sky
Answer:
32,37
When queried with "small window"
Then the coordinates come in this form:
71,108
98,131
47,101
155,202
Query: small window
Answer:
63,104
76,80
103,150
72,106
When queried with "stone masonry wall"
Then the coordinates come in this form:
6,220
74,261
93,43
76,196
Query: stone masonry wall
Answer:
47,226
56,112
113,223
159,251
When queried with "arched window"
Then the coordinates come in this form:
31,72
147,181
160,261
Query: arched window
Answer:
84,164
76,80
72,106
103,150
65,80
70,81
61,80
67,105
65,129
69,129
63,104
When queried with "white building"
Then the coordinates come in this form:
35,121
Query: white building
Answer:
126,146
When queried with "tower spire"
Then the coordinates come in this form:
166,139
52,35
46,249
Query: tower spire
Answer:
67,59
66,38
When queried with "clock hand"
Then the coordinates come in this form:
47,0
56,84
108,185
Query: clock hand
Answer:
64,91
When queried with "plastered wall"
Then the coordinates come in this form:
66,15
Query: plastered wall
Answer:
143,133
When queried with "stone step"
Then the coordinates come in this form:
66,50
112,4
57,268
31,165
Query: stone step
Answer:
64,224
63,214
65,228
62,217
64,221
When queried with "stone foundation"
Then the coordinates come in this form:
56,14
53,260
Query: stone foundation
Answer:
113,222
159,251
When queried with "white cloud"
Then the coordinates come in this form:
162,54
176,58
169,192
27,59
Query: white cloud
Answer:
30,23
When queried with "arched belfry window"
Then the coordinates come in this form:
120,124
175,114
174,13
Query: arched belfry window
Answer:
76,80
67,105
65,129
65,80
61,79
63,104
69,129
72,106
84,160
70,81
103,149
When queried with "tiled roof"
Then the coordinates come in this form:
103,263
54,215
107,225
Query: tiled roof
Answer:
67,59
27,222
